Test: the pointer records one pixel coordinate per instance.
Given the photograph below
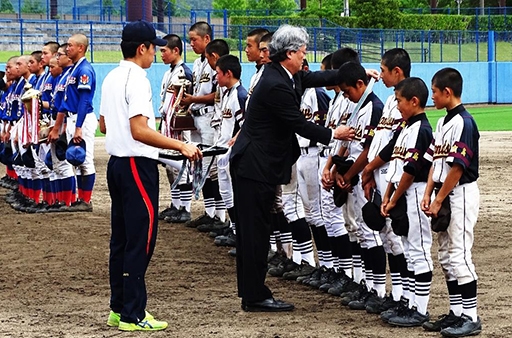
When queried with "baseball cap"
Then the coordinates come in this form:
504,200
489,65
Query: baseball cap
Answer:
140,31
75,154
61,145
48,161
28,159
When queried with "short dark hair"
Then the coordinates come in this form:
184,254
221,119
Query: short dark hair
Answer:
217,46
53,45
448,78
202,28
231,63
257,33
326,61
351,72
174,41
413,87
397,57
37,55
343,55
129,48
64,45
267,37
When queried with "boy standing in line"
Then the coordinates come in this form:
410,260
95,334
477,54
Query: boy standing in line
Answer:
454,157
407,176
181,196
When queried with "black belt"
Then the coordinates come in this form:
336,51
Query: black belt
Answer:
438,185
200,111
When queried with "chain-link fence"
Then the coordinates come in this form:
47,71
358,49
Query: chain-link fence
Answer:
24,35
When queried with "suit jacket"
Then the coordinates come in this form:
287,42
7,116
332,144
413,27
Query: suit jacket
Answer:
267,146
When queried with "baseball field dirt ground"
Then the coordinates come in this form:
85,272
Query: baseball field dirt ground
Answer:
54,274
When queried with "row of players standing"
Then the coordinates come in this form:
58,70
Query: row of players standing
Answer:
392,149
57,175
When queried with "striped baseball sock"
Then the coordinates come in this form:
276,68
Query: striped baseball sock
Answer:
422,291
469,298
455,297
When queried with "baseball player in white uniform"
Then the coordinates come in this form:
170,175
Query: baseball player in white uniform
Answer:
454,155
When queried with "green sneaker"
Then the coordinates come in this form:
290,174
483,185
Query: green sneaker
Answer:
114,318
144,325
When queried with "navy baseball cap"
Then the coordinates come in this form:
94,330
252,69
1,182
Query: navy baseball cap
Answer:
48,161
75,154
61,146
140,31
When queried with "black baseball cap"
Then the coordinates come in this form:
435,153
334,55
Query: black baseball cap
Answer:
140,31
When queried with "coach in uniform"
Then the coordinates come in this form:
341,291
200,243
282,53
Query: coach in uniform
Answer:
264,153
126,114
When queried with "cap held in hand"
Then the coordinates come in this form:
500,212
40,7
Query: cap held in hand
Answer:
75,154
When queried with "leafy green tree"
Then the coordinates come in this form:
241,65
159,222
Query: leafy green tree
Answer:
32,6
229,4
6,6
375,13
273,5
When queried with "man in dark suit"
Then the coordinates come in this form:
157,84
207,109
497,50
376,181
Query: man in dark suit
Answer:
264,153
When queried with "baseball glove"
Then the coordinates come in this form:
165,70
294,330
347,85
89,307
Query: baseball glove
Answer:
444,215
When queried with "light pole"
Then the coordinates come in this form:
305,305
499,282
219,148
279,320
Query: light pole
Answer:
458,6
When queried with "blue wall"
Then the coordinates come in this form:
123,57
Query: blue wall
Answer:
494,87
484,82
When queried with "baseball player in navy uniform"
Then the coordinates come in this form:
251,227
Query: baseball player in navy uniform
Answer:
81,121
407,176
454,155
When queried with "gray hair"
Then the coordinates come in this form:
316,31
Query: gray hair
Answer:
287,38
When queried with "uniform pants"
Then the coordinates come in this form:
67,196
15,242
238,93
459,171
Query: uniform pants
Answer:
133,188
418,241
253,201
456,242
88,133
391,242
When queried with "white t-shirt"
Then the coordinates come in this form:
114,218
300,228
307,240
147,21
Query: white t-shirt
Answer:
125,93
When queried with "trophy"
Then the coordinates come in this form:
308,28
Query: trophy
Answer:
36,127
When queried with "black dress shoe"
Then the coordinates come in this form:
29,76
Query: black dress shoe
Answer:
267,305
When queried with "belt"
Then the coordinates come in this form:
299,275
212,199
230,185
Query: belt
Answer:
69,114
200,111
308,150
325,152
438,185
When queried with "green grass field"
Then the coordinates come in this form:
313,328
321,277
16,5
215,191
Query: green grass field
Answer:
488,118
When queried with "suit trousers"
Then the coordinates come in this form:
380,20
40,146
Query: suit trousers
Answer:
253,202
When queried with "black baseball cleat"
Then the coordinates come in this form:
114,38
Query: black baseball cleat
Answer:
398,310
409,318
464,327
168,212
267,305
442,322
285,266
304,269
204,219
